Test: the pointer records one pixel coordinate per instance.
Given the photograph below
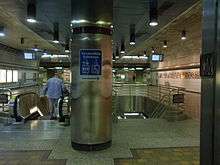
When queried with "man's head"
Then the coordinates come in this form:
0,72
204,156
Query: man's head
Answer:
56,74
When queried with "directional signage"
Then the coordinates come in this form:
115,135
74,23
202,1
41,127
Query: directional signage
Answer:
90,64
3,98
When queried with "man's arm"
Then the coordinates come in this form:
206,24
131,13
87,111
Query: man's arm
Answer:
45,89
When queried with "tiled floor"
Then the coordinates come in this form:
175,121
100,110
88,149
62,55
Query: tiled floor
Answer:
28,158
127,136
162,156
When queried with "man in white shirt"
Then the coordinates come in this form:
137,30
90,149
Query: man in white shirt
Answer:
54,90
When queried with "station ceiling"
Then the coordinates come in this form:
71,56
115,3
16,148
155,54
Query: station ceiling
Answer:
125,12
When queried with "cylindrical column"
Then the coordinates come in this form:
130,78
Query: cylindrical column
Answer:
91,66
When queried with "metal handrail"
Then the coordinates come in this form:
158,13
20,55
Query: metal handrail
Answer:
161,95
161,109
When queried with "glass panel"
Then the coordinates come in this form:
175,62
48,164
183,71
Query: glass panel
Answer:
15,76
9,76
2,76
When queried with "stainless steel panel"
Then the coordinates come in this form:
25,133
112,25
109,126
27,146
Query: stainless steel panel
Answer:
217,90
208,87
92,10
91,100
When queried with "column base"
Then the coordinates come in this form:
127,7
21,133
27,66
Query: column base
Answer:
91,147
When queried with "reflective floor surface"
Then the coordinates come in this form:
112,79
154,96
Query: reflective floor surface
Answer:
134,142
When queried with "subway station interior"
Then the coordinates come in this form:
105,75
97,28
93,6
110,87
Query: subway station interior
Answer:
109,82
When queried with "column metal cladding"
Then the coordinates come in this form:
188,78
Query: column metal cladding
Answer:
210,95
91,95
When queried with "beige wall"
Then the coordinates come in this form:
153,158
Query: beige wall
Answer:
184,54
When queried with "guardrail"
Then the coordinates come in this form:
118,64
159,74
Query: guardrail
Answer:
162,95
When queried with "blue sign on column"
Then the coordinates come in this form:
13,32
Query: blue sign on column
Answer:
90,64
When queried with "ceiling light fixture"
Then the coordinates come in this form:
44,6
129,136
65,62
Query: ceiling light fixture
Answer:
45,52
79,21
117,54
183,35
2,31
67,46
153,13
35,48
31,12
132,34
56,32
22,40
165,44
153,50
122,47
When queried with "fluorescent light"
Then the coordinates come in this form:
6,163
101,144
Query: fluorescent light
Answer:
135,57
103,23
56,42
132,43
67,51
131,114
79,21
153,23
143,57
58,68
54,56
46,56
126,68
139,68
31,20
122,52
132,69
85,38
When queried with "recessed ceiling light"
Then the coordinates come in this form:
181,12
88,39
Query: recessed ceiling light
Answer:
165,44
31,12
2,31
56,42
31,20
153,23
132,43
153,12
183,35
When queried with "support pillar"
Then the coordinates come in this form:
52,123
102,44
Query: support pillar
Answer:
91,66
210,95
